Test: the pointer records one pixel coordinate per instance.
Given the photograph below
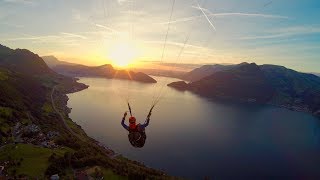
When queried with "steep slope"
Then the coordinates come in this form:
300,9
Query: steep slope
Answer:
246,83
300,91
135,76
317,74
14,88
24,61
205,71
4,51
52,61
82,70
179,85
26,81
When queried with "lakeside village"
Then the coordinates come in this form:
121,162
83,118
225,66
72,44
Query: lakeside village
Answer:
33,135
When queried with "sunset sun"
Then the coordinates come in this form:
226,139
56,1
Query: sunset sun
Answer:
123,54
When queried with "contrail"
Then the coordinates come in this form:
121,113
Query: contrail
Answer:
74,35
31,37
182,20
250,14
267,4
107,28
241,14
178,44
186,19
206,16
20,1
11,25
266,36
23,38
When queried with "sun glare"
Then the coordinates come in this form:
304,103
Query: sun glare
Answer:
123,54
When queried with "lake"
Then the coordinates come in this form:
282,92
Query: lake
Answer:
193,137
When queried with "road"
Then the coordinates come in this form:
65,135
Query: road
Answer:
61,116
112,155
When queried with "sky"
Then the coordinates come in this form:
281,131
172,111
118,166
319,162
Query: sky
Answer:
95,32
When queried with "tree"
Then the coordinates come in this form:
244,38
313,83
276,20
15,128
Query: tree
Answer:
14,172
67,158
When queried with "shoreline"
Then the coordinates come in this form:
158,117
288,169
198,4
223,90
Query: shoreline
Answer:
107,151
68,111
294,108
247,102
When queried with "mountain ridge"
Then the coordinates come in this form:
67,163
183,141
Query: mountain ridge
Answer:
105,71
266,84
29,63
52,61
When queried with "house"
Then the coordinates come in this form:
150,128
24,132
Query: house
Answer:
1,169
54,177
32,128
52,134
81,175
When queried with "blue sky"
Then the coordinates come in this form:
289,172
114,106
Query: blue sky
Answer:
283,32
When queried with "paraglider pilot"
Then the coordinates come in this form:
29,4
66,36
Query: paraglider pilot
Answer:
137,135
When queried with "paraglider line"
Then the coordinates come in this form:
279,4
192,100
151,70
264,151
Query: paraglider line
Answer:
129,108
164,46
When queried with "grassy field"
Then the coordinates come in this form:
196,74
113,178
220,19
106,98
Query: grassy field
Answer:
3,76
80,132
35,159
5,112
47,108
4,127
47,81
107,173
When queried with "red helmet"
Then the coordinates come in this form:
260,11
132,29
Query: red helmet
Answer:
132,119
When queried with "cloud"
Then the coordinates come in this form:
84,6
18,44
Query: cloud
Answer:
228,14
271,36
298,29
30,37
107,28
178,44
135,13
11,25
74,35
285,32
249,15
77,16
63,38
30,2
123,1
240,14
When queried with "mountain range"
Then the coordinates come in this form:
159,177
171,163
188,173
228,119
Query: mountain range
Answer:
266,84
106,71
317,74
